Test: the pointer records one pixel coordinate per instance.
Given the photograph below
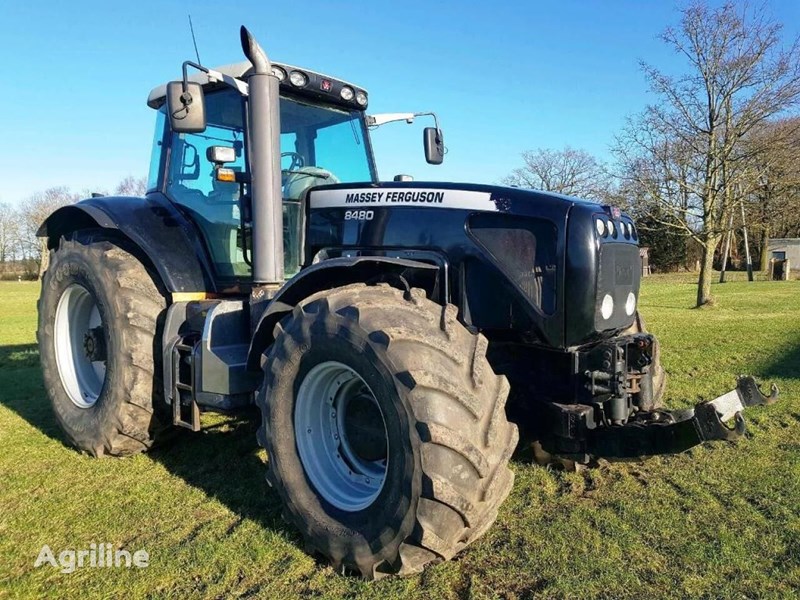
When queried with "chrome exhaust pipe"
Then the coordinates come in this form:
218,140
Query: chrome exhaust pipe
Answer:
264,152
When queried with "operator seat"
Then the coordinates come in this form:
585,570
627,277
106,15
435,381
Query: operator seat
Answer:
299,181
296,184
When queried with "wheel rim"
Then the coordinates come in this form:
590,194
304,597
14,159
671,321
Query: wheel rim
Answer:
80,346
341,436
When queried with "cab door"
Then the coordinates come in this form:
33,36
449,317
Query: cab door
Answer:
213,206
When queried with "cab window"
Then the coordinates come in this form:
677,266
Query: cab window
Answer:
211,204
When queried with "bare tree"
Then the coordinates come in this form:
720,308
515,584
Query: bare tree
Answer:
32,213
738,78
9,232
132,186
568,171
773,196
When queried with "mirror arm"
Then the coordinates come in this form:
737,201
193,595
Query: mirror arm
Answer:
184,68
383,119
435,119
239,86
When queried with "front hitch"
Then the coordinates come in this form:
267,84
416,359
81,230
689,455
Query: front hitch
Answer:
670,432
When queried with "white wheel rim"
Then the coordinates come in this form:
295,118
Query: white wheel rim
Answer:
329,409
78,320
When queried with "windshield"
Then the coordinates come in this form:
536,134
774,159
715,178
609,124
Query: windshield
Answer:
321,145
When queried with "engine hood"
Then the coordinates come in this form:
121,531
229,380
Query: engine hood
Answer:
456,196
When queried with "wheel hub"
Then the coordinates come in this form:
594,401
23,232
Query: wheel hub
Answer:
80,345
94,344
363,428
341,436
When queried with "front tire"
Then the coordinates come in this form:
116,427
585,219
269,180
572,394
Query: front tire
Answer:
99,314
429,422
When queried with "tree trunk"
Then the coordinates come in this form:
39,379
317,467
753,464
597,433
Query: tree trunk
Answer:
706,270
765,251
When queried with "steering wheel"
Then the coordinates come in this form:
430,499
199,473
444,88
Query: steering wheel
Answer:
298,162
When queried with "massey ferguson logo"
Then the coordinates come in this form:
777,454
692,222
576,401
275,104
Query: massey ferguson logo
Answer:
393,196
377,197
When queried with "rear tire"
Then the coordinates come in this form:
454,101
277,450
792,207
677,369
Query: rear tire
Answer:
447,439
99,314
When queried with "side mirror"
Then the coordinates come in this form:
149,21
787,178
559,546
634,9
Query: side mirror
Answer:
433,140
186,110
219,155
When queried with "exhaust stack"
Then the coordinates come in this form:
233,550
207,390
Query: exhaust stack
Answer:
265,165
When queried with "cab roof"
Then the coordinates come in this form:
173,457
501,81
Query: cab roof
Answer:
244,69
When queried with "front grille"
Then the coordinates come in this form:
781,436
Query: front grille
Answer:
618,274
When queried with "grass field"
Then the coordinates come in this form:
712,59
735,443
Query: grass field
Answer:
720,521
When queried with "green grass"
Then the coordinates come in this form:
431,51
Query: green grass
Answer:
722,520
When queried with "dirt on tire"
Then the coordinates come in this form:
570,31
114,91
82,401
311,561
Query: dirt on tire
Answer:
449,439
130,410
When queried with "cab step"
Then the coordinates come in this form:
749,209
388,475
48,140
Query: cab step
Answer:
185,411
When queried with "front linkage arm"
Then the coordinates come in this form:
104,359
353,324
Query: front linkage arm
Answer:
669,432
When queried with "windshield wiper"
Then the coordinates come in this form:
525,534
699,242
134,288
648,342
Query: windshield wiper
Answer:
306,173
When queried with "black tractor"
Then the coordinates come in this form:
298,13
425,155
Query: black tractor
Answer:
393,334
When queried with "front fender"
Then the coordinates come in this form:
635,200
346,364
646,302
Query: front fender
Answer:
162,234
337,272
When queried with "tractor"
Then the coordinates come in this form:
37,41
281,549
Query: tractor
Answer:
396,337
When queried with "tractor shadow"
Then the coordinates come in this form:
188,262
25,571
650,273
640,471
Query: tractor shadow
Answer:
223,460
783,364
22,390
18,357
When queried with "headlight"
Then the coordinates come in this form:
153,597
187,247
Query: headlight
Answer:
361,98
611,229
607,307
630,304
298,79
600,225
347,93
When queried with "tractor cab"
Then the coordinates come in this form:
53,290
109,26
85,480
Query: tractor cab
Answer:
323,140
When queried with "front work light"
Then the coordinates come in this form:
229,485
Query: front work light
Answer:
279,73
298,79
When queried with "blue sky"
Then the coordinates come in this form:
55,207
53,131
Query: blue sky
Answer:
503,76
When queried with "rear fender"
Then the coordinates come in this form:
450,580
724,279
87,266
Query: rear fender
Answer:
167,239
